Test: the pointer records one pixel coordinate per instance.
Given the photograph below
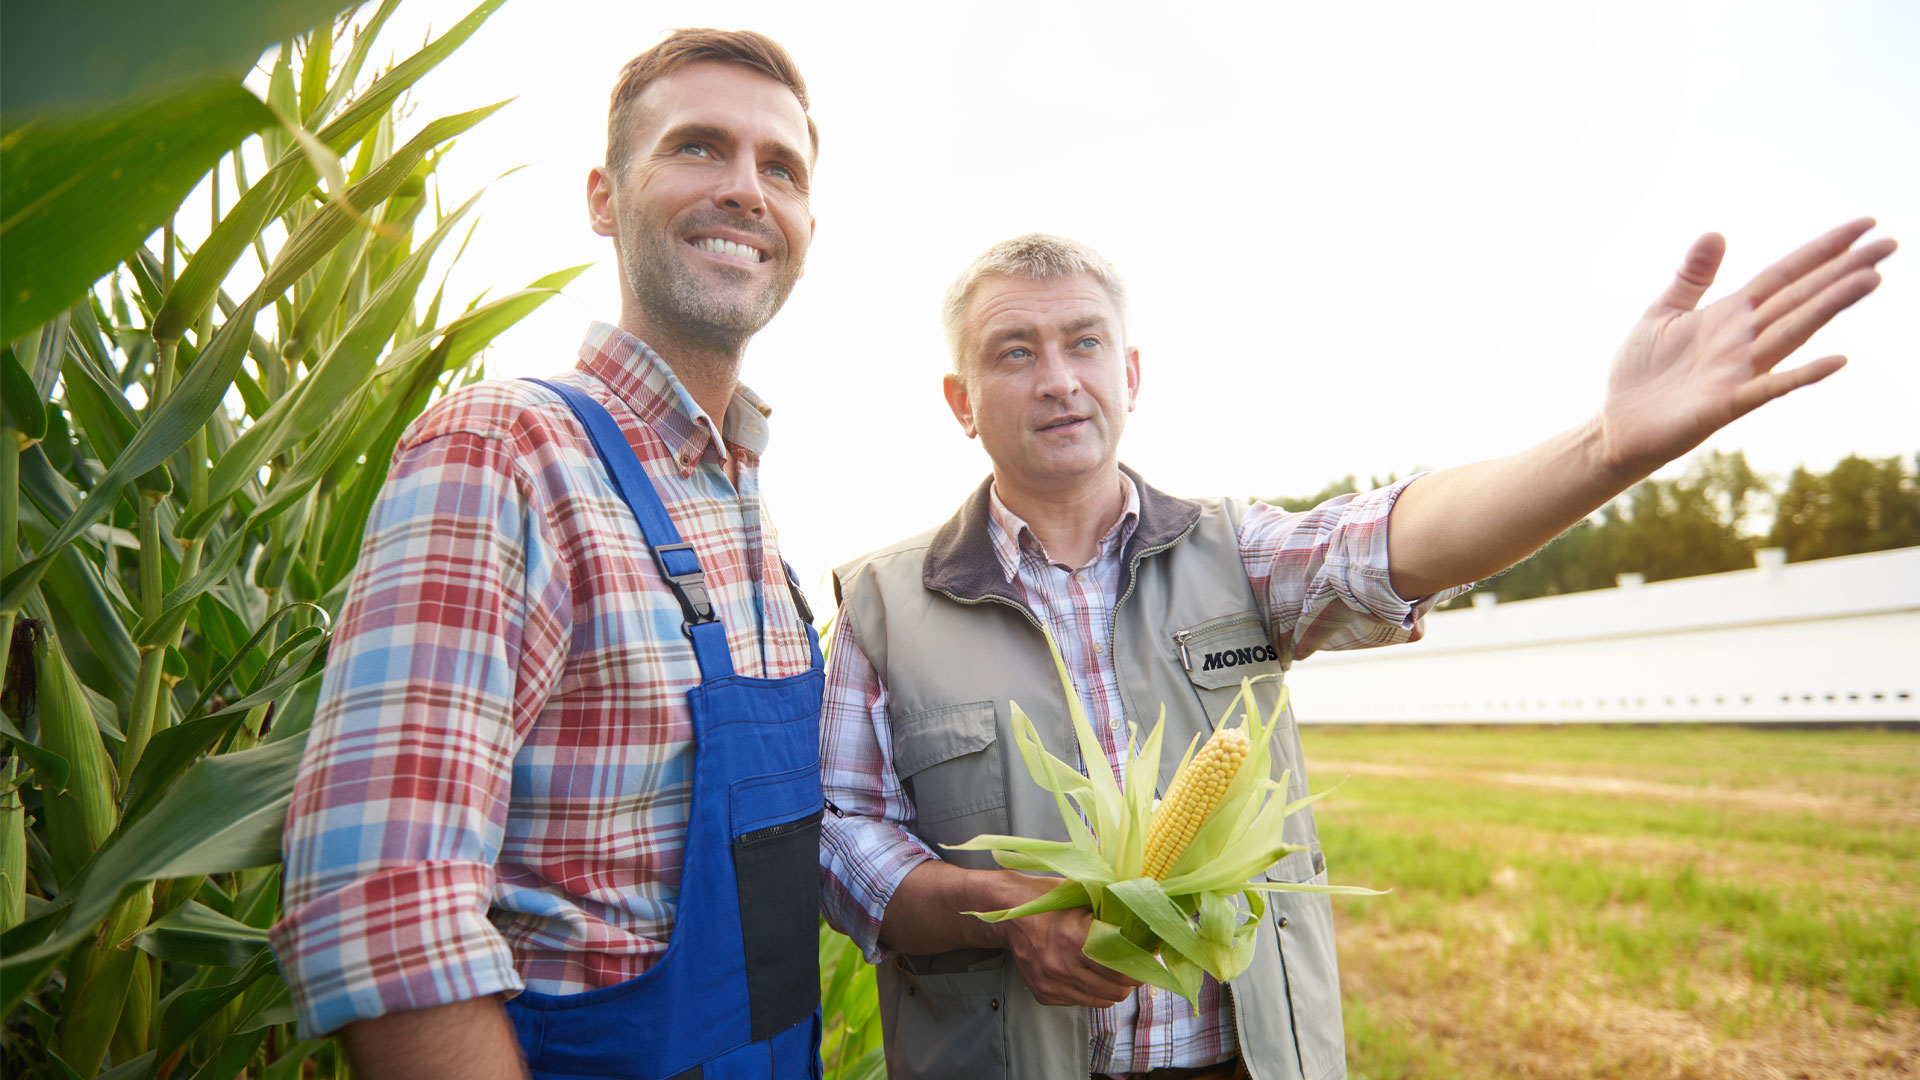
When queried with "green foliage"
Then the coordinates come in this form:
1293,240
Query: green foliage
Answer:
1860,505
185,473
850,1035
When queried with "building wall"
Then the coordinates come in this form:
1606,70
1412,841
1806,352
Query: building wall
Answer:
1832,640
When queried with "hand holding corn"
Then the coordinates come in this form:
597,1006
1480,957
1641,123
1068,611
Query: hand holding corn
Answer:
1170,889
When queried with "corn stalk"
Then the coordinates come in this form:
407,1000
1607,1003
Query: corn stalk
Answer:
194,433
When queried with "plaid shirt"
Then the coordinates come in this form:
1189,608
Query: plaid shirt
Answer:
1320,578
496,789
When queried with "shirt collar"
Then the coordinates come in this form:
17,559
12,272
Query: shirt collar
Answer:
640,378
1009,534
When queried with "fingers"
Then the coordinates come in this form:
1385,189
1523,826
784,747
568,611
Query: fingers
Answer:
1762,389
1797,265
1791,297
1791,330
1695,275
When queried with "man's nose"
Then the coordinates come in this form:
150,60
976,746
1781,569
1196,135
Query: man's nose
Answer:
1058,377
739,191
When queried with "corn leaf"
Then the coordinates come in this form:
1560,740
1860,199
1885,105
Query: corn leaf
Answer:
1107,945
79,193
172,424
1146,899
66,57
196,934
1067,894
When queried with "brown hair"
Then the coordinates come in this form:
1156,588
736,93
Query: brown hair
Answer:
747,48
1036,257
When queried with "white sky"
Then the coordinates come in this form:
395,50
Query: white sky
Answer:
1357,238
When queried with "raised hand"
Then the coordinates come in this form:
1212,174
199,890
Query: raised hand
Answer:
1685,372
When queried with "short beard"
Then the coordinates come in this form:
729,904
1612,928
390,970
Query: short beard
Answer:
682,308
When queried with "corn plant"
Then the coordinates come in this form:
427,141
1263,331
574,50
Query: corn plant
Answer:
194,436
1175,887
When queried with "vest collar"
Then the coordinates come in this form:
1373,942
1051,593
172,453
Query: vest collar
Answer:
961,563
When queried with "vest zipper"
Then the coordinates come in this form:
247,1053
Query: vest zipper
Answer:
1180,641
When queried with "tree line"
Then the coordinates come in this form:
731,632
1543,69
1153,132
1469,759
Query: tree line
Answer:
1711,519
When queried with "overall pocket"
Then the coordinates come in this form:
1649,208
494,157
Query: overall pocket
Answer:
776,873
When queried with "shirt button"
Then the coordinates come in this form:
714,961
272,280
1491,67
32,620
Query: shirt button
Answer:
686,459
1099,647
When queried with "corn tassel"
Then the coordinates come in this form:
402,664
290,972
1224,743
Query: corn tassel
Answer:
1191,799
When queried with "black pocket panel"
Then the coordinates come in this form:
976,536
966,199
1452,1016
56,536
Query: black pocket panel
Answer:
777,875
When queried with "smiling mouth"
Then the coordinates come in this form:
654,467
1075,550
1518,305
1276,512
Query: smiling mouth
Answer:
1063,422
717,246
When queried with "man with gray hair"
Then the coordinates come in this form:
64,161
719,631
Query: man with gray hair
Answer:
938,632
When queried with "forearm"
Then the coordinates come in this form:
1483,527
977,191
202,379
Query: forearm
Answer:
466,1040
927,912
1463,524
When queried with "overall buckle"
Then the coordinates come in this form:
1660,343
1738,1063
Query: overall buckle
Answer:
689,589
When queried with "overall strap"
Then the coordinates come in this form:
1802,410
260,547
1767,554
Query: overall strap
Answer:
805,611
678,563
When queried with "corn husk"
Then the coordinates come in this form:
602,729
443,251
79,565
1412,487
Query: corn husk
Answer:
1203,917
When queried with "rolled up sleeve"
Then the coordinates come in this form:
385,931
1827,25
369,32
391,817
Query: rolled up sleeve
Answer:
449,642
865,848
1324,576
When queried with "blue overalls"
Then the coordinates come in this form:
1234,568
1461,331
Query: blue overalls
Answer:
737,993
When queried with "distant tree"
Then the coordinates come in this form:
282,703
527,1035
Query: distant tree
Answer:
1862,504
1710,520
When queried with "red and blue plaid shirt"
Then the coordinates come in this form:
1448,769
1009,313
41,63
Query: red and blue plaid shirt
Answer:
1320,578
496,788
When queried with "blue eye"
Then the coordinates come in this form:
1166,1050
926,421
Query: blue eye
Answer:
697,150
1017,354
1089,343
781,171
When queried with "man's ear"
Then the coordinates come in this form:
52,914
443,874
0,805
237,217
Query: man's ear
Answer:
956,390
600,200
1133,377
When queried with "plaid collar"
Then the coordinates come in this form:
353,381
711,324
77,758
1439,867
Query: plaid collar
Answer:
961,561
1011,535
639,377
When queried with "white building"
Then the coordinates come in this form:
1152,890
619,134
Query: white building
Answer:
1835,639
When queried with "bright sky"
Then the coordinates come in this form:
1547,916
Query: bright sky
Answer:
1358,238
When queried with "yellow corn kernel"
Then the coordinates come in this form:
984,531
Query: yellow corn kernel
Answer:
1191,800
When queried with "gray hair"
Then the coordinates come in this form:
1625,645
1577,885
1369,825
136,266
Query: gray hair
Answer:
1037,257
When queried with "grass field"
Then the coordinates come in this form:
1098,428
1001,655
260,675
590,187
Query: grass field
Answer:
1626,901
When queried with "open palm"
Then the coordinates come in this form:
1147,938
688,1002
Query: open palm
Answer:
1685,371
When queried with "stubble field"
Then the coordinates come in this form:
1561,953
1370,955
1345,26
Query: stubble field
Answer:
1626,901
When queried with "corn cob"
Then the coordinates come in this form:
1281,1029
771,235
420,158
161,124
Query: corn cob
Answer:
1192,799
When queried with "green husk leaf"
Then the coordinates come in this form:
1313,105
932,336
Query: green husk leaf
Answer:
1107,945
1145,898
1067,894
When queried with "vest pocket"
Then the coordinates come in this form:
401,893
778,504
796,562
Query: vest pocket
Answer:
777,881
950,764
947,1025
1218,653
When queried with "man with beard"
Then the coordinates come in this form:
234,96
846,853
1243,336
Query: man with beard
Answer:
571,710
1161,601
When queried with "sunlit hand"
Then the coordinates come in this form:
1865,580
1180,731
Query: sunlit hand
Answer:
1685,372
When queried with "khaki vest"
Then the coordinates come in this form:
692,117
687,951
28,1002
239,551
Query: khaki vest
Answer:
953,643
